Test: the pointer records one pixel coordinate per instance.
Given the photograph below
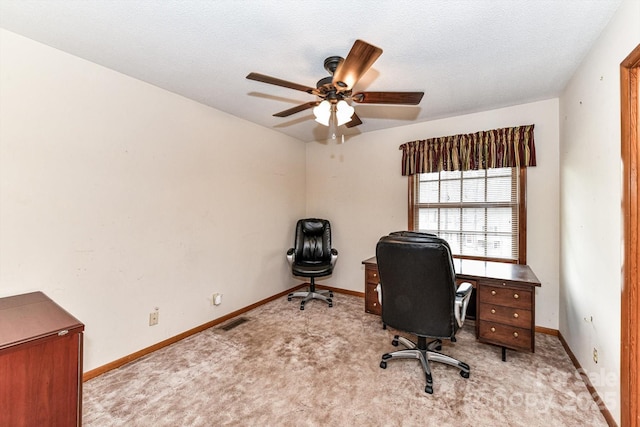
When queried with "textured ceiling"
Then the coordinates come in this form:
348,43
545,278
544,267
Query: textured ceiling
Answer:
466,55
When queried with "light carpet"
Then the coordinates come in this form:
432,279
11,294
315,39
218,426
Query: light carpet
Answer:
320,367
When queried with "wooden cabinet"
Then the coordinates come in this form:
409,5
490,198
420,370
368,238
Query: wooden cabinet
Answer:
371,301
504,305
506,316
40,363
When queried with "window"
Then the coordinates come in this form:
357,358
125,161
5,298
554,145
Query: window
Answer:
480,213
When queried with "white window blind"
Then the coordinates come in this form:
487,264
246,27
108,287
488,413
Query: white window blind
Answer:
476,211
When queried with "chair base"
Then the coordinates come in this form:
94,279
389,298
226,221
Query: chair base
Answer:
312,293
424,352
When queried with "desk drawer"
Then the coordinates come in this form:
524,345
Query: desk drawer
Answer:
504,335
510,297
371,303
371,275
507,315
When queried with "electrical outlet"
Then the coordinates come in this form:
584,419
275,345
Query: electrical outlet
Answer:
217,299
153,318
595,355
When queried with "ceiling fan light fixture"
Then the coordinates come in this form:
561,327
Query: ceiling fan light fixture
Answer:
323,120
344,112
322,112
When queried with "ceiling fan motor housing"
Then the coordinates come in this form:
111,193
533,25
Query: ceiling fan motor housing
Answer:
326,87
332,62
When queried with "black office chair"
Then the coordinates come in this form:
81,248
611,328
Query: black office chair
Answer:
419,296
312,256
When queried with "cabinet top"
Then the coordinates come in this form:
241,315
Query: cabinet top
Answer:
33,316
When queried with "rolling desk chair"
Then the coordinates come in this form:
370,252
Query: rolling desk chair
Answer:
420,296
312,256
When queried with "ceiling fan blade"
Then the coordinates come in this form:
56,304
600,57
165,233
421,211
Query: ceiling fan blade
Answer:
405,98
355,121
360,58
296,109
279,82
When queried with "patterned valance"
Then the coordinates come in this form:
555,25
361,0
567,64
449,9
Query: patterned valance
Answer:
497,148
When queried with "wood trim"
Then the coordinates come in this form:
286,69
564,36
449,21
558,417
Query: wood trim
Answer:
522,214
344,291
477,258
328,288
630,295
585,378
547,331
411,208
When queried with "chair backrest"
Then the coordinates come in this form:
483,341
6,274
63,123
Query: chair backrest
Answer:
418,284
313,241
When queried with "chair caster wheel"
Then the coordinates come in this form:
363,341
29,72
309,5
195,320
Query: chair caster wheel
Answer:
394,342
438,348
464,374
428,389
383,364
288,298
330,305
330,294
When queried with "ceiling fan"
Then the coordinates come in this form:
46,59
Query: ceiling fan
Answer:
336,90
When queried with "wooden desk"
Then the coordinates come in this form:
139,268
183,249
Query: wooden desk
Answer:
505,300
40,363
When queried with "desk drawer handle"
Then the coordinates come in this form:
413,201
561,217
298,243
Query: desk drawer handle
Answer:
493,329
516,296
516,315
375,274
493,292
515,334
493,311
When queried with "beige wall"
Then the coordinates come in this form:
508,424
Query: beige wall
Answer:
358,185
590,215
117,197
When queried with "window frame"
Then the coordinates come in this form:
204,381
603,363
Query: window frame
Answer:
522,221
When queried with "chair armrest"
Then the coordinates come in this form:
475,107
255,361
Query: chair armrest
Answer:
379,291
463,295
334,257
291,256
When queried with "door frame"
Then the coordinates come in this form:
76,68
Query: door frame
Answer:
630,295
